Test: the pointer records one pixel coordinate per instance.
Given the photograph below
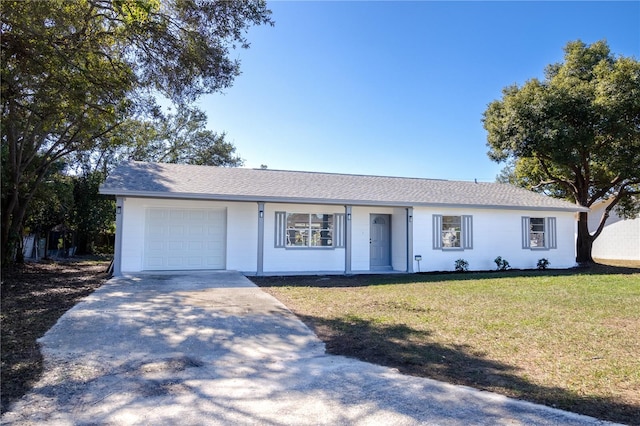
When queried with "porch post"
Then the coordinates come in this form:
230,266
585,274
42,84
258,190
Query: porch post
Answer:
260,260
410,239
347,240
117,245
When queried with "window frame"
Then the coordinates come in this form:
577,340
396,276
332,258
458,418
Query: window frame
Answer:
465,233
549,233
451,229
283,229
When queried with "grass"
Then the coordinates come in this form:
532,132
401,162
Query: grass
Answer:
566,339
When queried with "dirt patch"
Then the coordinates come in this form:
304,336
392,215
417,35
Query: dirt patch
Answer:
33,297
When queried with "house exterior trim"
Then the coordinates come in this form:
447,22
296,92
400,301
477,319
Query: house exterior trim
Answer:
117,255
367,203
260,256
347,242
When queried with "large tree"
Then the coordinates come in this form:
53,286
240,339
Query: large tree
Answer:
180,137
575,134
71,72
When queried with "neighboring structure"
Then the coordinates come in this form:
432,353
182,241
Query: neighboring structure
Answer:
620,238
267,222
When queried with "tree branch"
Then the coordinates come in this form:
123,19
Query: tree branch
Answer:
607,211
569,185
598,195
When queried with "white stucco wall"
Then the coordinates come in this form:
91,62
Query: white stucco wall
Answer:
620,238
241,245
495,233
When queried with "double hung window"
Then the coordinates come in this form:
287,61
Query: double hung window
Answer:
309,230
452,232
539,233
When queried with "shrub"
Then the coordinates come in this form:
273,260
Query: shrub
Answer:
501,263
543,263
462,265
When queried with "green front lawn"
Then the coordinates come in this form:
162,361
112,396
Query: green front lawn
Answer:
569,340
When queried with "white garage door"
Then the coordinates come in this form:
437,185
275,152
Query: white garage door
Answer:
179,239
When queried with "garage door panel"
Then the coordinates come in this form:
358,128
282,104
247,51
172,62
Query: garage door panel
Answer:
176,230
195,246
174,246
175,262
156,215
181,239
200,215
196,262
210,262
155,245
176,214
195,229
154,262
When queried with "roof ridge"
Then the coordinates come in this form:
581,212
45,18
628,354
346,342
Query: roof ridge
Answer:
304,172
344,174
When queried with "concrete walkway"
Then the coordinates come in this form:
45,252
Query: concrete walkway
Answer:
212,348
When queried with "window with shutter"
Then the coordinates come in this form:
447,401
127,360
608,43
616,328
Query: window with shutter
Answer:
452,232
539,233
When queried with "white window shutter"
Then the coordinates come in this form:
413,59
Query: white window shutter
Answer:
437,231
281,229
467,232
552,240
526,238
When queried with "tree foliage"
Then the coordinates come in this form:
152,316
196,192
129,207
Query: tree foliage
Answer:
181,137
575,134
92,215
72,72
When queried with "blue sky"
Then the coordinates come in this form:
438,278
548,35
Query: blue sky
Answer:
397,88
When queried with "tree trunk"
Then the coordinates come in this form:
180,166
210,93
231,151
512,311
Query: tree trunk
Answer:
12,235
9,229
82,243
8,240
584,243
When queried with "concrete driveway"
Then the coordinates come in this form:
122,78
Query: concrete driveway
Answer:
212,348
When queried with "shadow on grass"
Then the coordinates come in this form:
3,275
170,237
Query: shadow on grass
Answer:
404,348
364,280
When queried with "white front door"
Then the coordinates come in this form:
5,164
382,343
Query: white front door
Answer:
182,239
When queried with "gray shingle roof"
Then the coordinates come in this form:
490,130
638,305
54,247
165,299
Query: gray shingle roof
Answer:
221,183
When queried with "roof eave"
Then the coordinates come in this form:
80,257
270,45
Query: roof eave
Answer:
309,200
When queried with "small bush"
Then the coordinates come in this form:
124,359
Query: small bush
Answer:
501,263
461,265
543,263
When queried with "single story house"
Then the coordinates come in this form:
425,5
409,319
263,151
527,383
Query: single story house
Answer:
620,238
271,222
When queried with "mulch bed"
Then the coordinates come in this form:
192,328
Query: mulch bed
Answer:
33,297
